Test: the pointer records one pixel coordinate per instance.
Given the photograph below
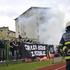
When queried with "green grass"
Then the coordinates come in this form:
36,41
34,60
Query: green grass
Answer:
24,66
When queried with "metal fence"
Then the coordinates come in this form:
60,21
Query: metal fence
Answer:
23,50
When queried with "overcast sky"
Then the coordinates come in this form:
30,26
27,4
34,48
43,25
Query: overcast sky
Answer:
10,9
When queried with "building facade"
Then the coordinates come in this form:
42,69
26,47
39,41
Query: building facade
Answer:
6,34
12,34
27,24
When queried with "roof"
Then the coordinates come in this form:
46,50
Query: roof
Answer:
7,28
31,9
4,28
12,31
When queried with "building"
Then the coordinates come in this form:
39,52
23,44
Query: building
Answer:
12,34
6,34
41,24
27,24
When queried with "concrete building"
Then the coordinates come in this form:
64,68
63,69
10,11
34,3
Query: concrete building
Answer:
27,24
6,34
12,34
41,24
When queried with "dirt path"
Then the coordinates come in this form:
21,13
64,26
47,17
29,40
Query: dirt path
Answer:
60,66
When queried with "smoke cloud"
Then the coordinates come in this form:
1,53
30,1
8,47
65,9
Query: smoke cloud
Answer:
52,29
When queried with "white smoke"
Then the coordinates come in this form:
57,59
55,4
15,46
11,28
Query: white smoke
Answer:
53,27
51,23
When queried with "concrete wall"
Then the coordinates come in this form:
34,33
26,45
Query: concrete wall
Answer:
27,24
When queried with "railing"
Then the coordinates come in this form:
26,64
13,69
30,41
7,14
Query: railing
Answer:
25,50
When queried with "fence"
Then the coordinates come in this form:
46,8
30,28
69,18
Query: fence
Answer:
24,50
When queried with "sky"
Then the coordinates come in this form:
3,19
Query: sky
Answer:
11,9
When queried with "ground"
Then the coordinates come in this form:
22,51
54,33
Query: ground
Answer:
40,65
24,65
59,66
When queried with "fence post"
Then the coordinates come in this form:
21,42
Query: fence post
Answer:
7,51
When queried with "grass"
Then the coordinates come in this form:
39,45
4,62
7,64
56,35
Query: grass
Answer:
24,66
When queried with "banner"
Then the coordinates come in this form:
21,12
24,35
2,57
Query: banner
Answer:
36,49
